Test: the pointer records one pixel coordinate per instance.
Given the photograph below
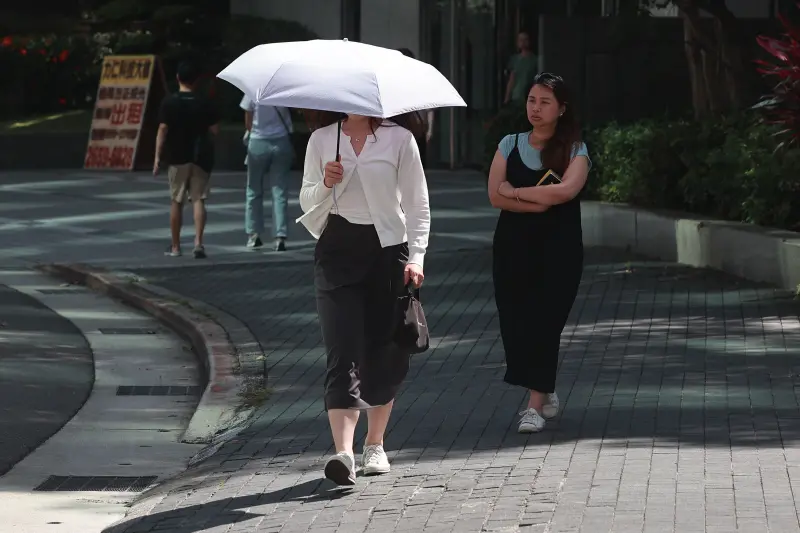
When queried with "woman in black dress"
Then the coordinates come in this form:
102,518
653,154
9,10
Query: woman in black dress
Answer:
538,245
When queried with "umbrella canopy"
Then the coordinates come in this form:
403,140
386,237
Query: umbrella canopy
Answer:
341,76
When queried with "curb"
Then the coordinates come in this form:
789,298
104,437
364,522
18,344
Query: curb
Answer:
755,253
220,411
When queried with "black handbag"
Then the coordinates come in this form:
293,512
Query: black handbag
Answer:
411,334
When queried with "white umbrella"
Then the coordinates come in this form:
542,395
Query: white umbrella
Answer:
341,76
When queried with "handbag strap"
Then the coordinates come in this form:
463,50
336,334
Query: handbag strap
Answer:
283,121
412,290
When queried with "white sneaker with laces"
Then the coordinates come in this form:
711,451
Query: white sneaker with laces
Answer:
531,422
374,460
341,469
550,409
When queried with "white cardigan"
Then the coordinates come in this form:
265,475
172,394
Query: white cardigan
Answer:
393,179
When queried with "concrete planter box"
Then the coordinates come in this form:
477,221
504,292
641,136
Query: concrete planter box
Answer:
751,252
65,150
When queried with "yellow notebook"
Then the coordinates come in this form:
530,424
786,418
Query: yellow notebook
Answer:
549,178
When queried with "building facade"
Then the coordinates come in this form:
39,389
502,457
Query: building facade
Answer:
459,37
469,41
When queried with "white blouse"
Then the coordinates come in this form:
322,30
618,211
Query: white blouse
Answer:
391,177
352,203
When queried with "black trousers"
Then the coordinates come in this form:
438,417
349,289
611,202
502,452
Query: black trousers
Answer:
358,286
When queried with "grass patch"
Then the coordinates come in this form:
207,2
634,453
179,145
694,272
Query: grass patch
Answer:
255,393
80,120
77,120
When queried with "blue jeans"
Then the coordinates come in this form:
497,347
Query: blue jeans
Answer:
271,158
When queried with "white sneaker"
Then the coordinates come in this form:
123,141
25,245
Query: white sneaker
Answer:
550,409
374,460
254,241
341,469
531,422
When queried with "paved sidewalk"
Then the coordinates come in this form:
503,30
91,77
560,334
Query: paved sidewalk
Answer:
680,413
126,435
679,386
46,374
122,219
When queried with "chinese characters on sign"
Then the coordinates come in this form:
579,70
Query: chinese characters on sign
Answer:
119,111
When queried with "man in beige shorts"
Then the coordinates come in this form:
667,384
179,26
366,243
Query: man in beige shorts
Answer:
187,125
188,181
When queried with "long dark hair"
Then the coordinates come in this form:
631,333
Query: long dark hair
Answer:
411,121
557,151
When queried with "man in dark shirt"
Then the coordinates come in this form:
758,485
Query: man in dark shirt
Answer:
187,125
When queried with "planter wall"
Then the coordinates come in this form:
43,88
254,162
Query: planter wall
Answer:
750,252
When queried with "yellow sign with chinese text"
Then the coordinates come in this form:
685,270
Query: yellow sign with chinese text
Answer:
119,112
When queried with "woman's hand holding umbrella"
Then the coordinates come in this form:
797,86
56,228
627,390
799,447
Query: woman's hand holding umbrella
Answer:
334,173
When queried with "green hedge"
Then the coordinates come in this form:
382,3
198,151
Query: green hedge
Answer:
728,168
47,73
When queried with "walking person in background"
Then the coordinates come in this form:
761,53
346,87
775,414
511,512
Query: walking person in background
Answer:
522,67
188,124
371,214
538,243
269,154
422,140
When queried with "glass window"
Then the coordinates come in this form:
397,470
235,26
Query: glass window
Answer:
459,37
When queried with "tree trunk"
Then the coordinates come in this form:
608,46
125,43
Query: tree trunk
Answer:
734,78
694,58
713,72
715,58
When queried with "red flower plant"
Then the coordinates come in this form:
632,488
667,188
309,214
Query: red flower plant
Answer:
7,41
782,105
63,56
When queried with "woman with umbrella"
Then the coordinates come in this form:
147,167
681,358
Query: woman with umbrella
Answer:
373,245
365,198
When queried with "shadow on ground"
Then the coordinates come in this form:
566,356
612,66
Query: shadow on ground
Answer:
655,355
652,351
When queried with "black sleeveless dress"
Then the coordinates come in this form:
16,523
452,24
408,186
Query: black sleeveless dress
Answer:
537,268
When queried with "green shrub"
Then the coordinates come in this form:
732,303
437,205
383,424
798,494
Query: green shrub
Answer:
638,163
728,168
747,179
47,73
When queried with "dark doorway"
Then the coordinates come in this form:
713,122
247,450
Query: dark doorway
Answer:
351,19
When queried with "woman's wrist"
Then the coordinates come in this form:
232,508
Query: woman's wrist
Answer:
505,190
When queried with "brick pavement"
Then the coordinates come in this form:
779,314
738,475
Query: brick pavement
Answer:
120,219
679,385
680,412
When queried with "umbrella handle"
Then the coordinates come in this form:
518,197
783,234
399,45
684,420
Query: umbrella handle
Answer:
338,138
338,160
